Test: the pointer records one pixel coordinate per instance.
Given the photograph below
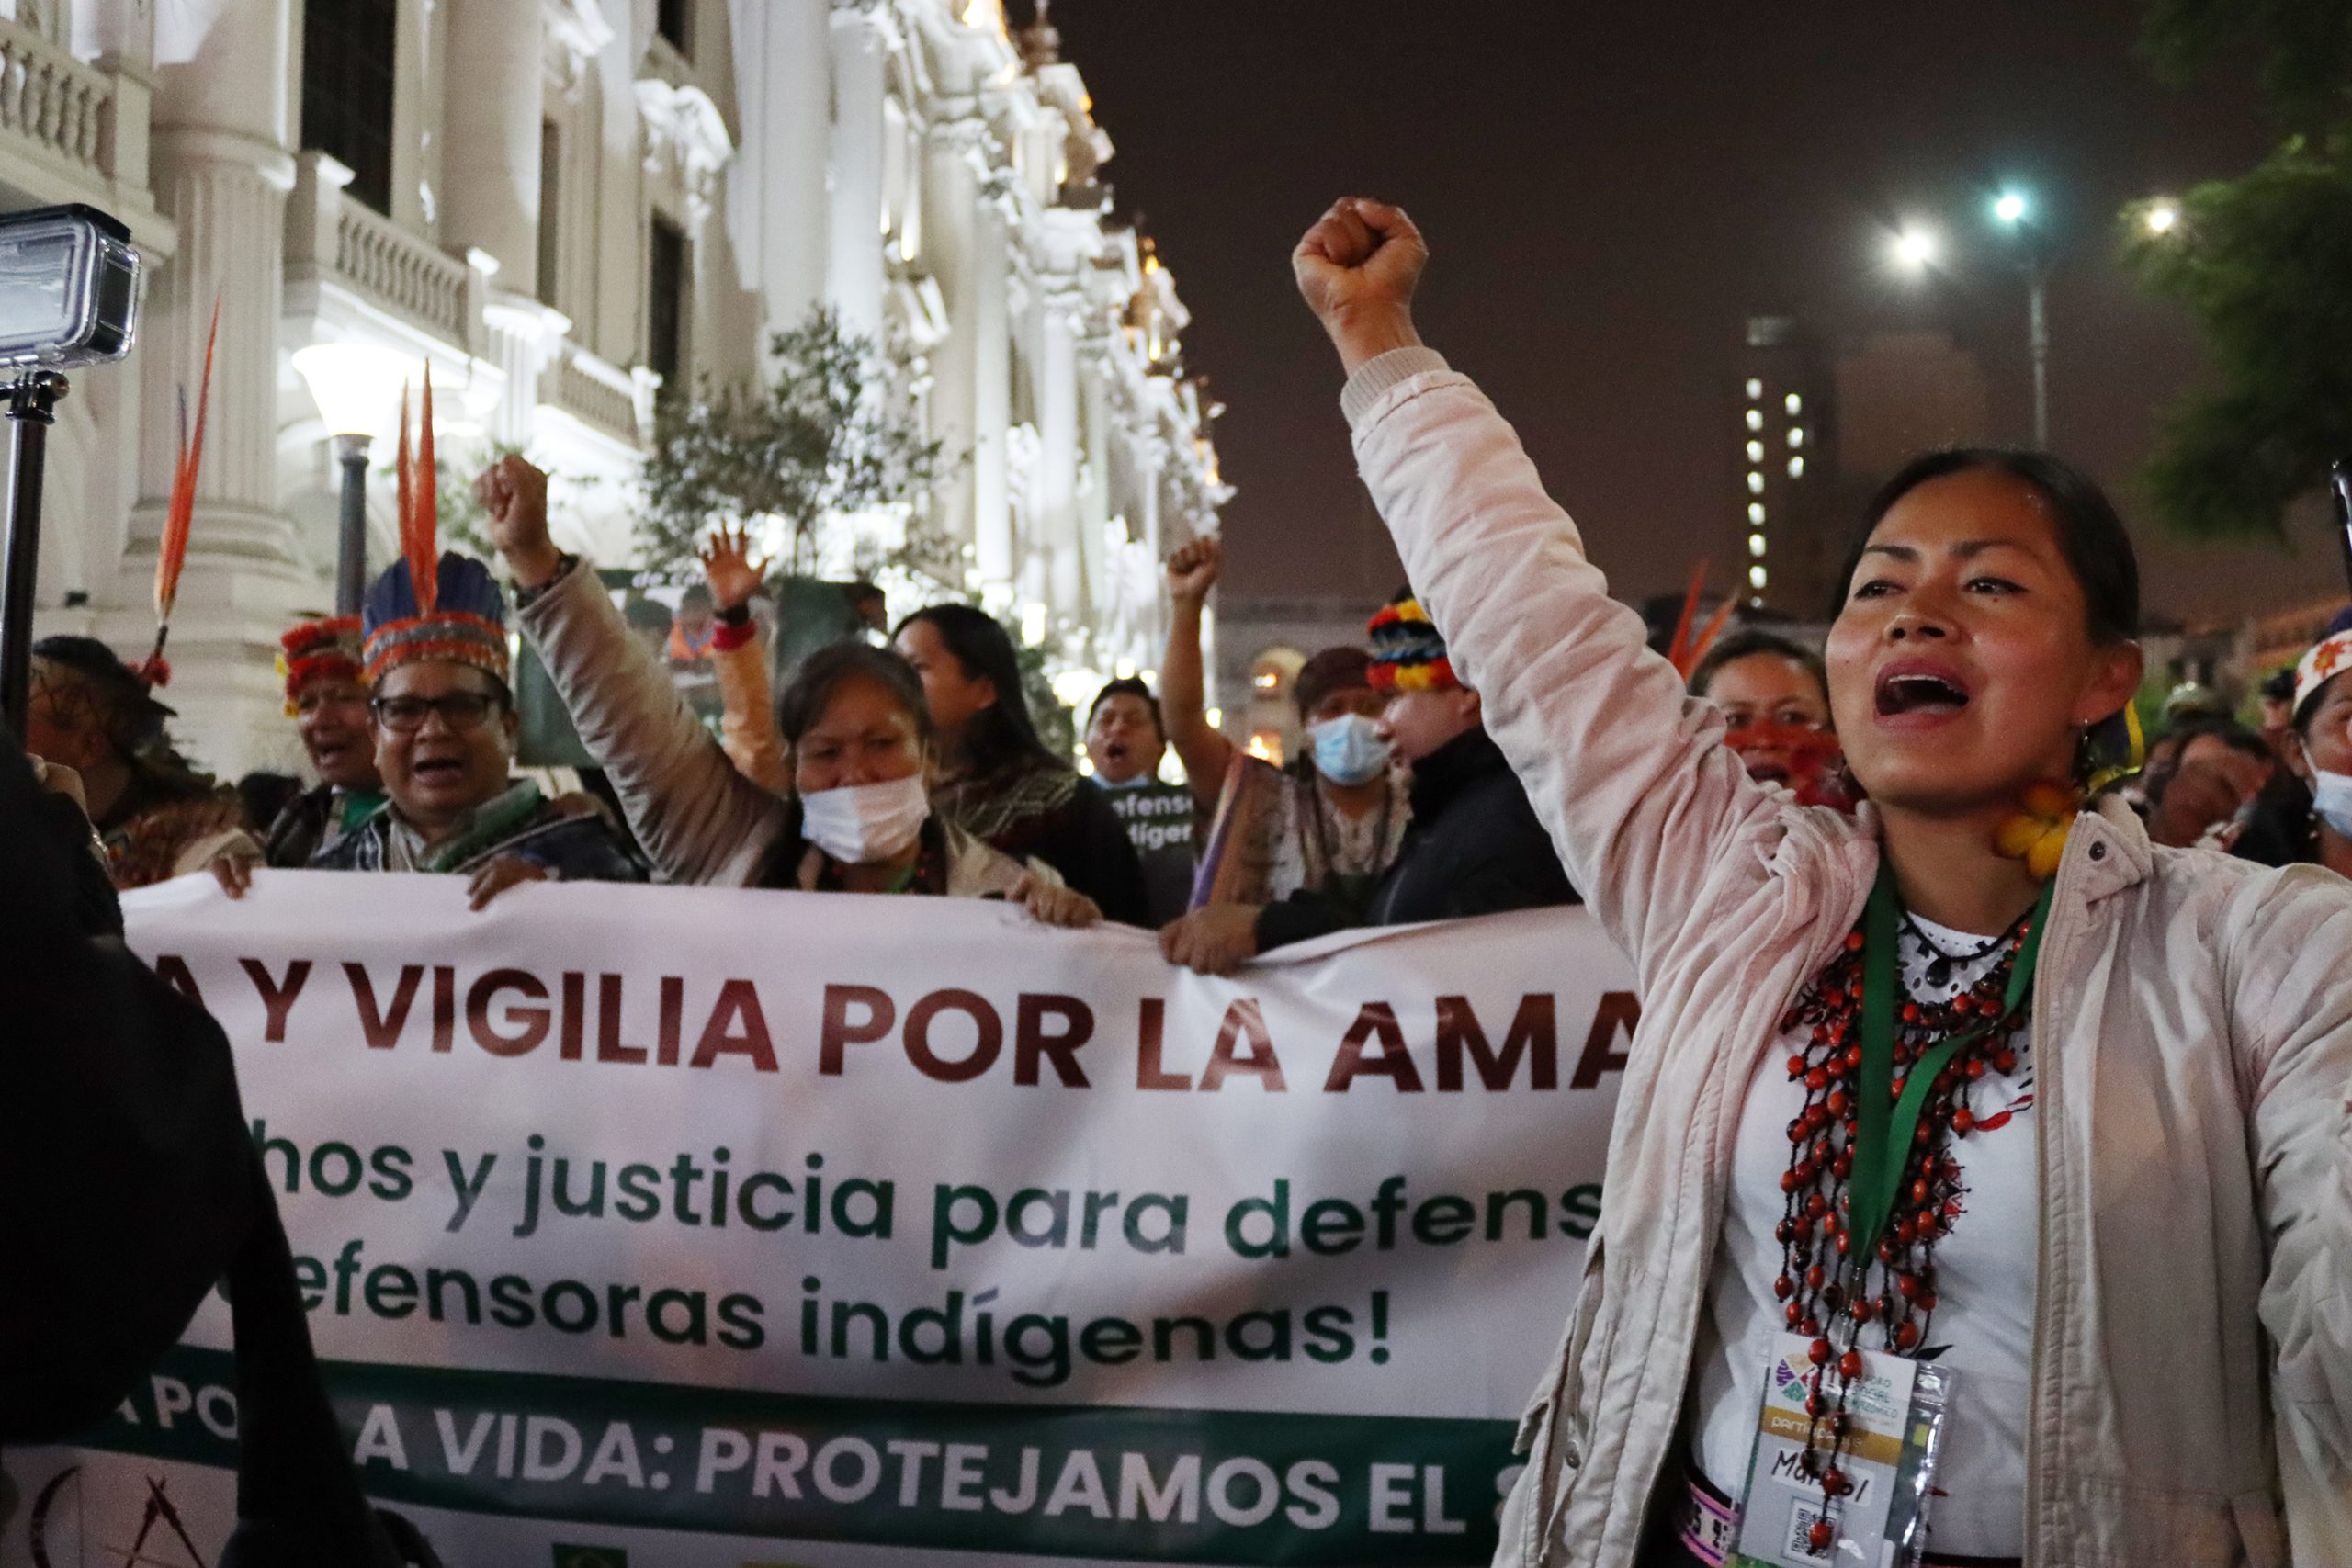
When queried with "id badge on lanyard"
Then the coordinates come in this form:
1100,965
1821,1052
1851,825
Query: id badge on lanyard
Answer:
1895,1416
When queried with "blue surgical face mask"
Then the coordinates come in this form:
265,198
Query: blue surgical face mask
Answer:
1346,749
2331,798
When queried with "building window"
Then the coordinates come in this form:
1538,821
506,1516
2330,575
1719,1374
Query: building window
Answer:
348,48
672,19
666,280
551,207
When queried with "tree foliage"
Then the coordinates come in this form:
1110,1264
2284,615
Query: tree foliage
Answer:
2260,263
812,445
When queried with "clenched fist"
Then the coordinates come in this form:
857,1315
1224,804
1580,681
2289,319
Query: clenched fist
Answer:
515,495
1191,570
1356,269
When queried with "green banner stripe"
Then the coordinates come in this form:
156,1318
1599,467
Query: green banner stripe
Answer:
1047,1480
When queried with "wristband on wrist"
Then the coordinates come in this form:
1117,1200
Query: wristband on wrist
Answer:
735,616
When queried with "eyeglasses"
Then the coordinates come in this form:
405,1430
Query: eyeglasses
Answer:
458,710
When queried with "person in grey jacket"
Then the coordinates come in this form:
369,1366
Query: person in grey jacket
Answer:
854,722
2123,1224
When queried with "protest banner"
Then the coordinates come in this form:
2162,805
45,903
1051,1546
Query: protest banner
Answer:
709,1226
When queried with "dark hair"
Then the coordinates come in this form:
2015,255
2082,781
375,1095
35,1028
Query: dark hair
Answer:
1333,669
2279,686
1002,734
824,672
647,614
133,718
2230,733
2091,535
1748,642
1126,686
697,595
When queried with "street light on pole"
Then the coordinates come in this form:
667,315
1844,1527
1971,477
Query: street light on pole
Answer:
2013,212
356,386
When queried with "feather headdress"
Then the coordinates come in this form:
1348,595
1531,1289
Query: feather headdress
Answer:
170,552
428,605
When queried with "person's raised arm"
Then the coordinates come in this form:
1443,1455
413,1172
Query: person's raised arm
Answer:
1183,702
1630,778
700,819
747,726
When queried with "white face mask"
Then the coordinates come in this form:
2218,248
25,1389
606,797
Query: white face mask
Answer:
2331,798
1348,749
859,824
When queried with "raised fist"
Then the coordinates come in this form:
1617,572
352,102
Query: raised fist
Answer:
1191,570
1356,269
515,494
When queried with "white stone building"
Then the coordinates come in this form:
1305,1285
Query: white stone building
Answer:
563,205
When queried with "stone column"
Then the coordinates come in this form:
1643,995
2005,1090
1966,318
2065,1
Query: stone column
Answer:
224,163
992,542
778,199
1057,456
855,272
951,214
489,134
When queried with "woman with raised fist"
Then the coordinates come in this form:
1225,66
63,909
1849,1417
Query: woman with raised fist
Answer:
1976,1088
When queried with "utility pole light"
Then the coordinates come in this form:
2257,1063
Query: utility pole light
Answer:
2010,209
1914,248
357,387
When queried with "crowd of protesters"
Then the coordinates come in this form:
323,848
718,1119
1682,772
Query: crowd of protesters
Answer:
1797,846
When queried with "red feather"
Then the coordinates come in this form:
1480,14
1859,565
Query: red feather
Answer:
424,545
1678,650
171,555
1706,638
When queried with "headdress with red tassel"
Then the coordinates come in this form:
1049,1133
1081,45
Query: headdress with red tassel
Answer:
325,647
426,605
170,552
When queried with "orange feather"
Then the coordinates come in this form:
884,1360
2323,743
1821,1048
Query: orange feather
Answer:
1677,650
171,555
1707,636
423,546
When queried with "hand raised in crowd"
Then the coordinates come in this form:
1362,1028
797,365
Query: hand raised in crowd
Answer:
233,869
497,875
515,495
728,566
1055,906
1356,269
1192,570
1216,939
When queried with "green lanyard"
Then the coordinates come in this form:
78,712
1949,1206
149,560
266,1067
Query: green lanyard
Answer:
1884,1131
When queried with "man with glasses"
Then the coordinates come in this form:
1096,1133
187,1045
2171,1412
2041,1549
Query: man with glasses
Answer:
443,716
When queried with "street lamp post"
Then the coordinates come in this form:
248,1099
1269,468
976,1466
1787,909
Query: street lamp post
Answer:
357,386
2013,212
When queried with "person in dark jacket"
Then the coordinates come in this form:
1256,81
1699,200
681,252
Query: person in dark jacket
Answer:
1474,846
997,780
128,1187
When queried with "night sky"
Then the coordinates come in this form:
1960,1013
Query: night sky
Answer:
1609,191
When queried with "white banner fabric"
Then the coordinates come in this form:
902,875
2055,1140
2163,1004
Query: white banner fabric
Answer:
705,1227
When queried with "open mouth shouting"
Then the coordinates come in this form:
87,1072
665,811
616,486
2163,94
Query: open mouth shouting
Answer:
1917,693
438,772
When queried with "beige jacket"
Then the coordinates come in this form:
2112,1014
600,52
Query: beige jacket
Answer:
2192,1024
700,819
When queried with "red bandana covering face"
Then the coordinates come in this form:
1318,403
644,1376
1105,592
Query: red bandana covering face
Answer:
1804,759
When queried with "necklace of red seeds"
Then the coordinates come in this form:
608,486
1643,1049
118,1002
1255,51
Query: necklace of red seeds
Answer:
1897,1297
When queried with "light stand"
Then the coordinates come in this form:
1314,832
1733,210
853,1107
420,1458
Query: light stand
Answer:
32,408
351,544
